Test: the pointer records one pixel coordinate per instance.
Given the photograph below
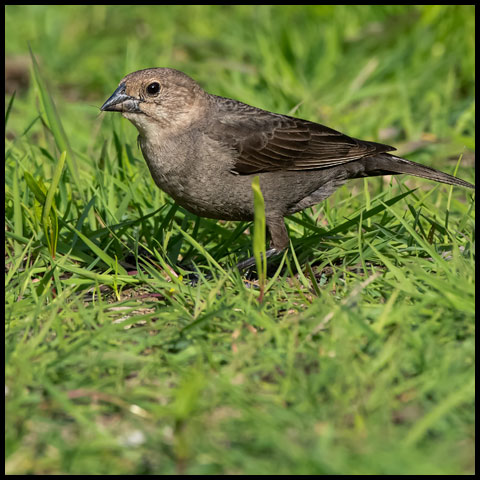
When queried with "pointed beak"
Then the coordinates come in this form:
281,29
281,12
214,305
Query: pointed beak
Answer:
121,102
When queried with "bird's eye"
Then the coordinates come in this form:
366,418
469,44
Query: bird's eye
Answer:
153,88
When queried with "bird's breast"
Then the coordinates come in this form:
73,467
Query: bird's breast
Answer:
197,175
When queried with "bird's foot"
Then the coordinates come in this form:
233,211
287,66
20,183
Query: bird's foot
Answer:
250,262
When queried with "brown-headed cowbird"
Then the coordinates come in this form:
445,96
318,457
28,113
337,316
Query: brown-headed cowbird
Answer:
204,151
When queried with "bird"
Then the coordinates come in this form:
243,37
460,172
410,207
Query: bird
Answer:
204,150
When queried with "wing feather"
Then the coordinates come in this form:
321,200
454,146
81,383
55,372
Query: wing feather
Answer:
267,142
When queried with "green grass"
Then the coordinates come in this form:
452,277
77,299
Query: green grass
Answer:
359,359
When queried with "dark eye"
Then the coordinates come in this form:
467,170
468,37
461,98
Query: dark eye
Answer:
153,88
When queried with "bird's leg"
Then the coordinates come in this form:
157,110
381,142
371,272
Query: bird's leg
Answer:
278,243
278,233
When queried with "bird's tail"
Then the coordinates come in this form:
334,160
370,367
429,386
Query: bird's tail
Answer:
390,164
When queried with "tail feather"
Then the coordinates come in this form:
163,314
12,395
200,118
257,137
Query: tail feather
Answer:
390,164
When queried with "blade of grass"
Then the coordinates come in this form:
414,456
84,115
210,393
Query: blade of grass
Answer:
403,282
97,277
274,278
9,108
49,222
203,251
52,119
107,259
432,418
301,275
52,236
422,243
315,286
450,192
17,213
15,265
369,213
259,228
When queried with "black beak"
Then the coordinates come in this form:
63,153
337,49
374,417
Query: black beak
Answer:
121,102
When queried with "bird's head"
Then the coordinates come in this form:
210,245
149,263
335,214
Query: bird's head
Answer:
158,98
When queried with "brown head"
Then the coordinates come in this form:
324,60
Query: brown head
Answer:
158,98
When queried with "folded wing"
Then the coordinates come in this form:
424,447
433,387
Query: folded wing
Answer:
268,142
